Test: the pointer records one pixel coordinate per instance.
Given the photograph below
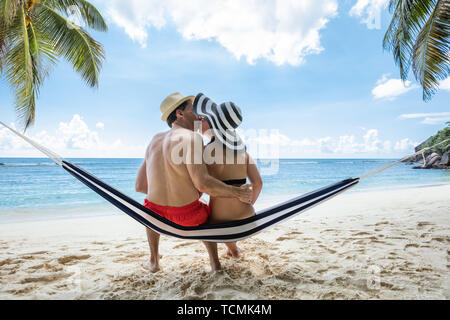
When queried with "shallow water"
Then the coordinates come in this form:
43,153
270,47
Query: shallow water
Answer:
38,188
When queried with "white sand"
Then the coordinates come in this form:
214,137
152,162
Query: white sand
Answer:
375,245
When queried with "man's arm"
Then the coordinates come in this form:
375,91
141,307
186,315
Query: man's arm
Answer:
141,180
205,183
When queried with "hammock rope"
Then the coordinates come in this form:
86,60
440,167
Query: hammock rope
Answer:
222,232
378,170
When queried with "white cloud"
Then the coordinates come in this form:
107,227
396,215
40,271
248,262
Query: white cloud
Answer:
367,145
438,120
75,139
445,84
77,135
71,139
100,125
428,118
391,88
281,31
8,141
405,145
369,12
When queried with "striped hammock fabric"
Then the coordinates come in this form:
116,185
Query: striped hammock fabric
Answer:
223,232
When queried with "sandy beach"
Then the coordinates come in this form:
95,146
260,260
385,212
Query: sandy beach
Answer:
363,245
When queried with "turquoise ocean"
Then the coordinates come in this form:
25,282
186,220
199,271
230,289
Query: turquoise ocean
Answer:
37,189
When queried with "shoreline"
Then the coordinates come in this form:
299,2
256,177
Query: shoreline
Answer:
24,215
373,245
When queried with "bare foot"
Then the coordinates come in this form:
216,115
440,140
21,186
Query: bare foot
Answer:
234,251
215,266
149,266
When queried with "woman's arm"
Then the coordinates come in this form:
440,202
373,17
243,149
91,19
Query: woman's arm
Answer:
254,177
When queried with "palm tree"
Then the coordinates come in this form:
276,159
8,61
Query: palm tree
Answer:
419,35
34,34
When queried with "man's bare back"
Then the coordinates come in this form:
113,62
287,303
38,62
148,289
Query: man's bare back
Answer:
169,182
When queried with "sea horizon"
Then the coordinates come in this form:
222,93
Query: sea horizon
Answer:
37,188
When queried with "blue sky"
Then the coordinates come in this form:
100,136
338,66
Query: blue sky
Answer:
314,77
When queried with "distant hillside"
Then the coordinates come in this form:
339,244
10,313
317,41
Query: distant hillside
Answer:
441,135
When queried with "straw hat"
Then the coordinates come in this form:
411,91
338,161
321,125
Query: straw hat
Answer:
223,120
172,102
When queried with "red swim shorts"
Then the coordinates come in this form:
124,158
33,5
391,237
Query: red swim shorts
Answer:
193,214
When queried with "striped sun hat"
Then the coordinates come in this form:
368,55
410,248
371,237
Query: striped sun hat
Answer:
223,120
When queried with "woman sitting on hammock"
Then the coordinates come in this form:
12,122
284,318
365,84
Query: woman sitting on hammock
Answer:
228,161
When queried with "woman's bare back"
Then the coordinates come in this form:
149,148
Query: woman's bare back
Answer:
228,209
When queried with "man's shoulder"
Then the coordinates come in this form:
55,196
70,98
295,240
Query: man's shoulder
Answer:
186,135
158,137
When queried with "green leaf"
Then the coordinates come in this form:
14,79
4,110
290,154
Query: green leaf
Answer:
74,44
88,12
431,51
20,69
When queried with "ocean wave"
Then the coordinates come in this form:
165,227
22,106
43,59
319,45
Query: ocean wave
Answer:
26,164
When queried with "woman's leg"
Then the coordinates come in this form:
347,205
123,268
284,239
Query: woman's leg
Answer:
233,249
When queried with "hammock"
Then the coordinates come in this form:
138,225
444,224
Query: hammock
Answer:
222,232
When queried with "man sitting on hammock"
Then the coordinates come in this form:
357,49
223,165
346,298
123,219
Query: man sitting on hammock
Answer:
173,175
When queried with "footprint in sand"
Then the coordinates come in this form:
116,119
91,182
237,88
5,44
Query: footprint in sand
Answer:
361,234
289,236
264,256
312,260
72,259
46,278
184,244
36,267
282,238
421,224
7,261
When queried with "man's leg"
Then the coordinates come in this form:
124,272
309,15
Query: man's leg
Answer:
153,242
213,255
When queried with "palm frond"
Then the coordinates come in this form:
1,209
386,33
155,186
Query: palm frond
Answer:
398,37
9,9
408,18
74,44
3,44
21,69
87,11
431,50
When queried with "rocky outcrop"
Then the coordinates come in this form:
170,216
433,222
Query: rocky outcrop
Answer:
435,161
432,159
438,156
445,160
